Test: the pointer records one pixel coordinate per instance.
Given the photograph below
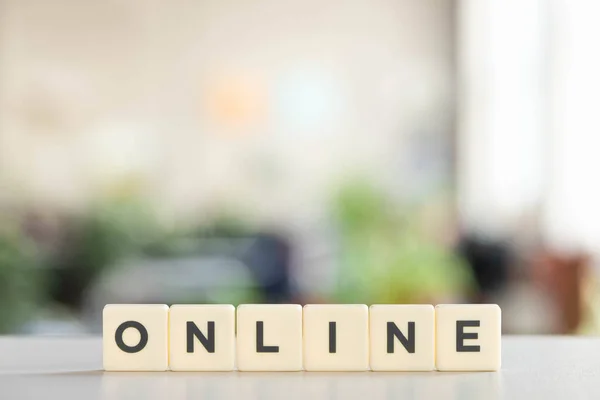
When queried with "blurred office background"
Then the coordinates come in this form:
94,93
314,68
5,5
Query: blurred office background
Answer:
231,151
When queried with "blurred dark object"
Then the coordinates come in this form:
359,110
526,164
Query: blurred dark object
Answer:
123,236
197,269
269,260
490,261
266,255
90,246
95,241
560,276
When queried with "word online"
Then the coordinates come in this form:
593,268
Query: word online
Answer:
288,337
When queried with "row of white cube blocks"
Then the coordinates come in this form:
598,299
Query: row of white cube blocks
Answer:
291,338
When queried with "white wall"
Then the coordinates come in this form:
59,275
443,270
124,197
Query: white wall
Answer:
95,92
572,205
502,131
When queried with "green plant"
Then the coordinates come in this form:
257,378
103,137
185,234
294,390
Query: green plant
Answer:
20,278
385,257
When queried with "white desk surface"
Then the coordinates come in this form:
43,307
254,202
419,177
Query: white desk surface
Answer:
535,367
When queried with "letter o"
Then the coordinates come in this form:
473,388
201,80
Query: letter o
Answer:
143,336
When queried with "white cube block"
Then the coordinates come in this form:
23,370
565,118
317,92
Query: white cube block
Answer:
336,337
402,337
269,337
468,337
135,337
202,337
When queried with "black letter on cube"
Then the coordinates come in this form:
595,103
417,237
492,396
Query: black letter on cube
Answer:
332,337
193,331
461,336
143,337
393,331
260,347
